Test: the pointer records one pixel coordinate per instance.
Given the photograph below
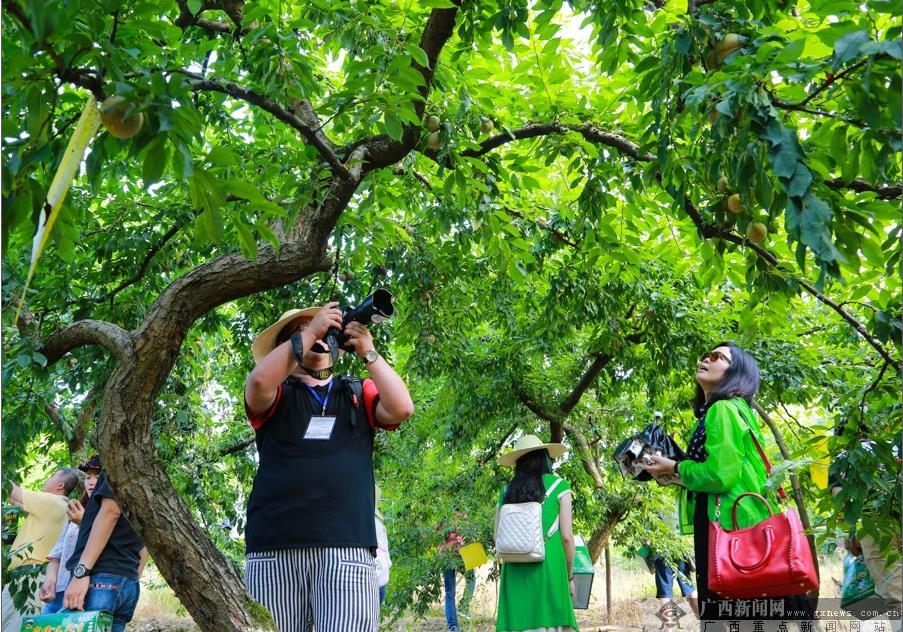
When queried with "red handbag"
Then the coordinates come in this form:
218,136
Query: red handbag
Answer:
769,559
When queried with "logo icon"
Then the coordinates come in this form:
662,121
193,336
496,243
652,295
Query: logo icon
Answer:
670,614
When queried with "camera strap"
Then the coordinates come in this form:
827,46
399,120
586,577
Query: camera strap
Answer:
298,352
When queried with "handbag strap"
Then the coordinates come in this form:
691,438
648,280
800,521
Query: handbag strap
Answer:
781,493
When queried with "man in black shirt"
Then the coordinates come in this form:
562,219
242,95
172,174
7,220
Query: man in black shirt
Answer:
107,561
310,534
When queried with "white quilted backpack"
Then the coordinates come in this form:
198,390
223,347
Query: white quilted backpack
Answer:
518,531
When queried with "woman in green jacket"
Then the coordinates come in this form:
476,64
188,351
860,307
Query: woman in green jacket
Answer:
724,462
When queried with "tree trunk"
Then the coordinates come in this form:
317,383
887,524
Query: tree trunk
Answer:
599,540
209,587
607,584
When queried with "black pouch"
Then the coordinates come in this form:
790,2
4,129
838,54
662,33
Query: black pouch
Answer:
653,439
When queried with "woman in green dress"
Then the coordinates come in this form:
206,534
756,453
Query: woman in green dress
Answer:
536,596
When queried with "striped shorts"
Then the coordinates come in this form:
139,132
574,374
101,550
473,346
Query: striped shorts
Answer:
320,588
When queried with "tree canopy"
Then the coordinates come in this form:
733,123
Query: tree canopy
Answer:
606,191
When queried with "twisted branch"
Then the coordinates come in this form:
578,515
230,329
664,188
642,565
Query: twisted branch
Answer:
87,332
302,119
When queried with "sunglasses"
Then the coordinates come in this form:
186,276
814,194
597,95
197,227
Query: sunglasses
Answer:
714,356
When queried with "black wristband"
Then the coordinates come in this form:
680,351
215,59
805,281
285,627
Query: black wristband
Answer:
676,465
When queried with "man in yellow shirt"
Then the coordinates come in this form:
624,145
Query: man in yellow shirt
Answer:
45,519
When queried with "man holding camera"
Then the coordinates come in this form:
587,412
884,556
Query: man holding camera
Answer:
310,535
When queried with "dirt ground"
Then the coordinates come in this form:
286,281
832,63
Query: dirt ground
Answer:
633,605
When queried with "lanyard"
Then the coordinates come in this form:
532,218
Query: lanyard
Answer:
324,400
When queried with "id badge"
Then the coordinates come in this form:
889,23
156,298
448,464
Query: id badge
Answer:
320,428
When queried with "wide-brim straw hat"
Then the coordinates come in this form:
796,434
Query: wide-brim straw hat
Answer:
266,341
531,443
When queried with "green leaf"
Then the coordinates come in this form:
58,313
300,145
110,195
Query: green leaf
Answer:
214,226
800,182
246,240
791,52
223,156
867,160
242,189
851,167
418,54
815,223
206,193
847,48
784,160
764,191
839,144
264,230
894,48
154,161
873,253
393,126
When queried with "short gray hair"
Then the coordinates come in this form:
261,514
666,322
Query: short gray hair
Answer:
70,479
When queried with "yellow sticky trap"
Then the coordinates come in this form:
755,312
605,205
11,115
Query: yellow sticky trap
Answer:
474,555
818,470
88,123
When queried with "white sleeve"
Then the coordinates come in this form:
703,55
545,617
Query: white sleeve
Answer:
56,552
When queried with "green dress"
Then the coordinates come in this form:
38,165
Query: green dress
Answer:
537,594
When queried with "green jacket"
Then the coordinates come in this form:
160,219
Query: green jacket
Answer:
734,466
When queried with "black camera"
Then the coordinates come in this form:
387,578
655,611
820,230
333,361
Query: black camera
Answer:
376,308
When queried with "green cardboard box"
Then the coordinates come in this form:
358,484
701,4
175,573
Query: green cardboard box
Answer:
95,621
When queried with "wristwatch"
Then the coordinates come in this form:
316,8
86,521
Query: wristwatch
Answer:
80,571
371,356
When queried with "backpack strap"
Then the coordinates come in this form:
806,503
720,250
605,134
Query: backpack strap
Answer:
554,485
356,392
554,527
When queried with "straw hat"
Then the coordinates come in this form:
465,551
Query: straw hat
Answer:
266,341
531,443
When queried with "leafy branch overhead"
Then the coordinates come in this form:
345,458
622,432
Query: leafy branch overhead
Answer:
570,202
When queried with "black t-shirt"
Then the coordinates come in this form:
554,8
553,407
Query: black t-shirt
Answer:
314,492
121,555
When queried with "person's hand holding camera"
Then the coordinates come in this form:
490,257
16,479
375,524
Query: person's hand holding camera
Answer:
360,338
328,316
